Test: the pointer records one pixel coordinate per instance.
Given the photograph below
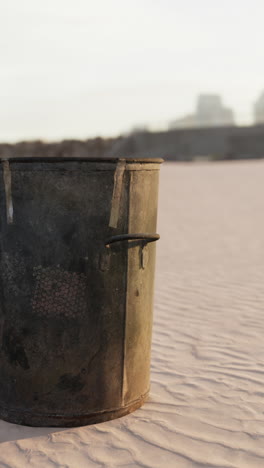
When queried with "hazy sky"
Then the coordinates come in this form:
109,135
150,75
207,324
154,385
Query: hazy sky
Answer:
81,68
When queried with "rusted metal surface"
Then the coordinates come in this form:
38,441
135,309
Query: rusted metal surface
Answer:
76,316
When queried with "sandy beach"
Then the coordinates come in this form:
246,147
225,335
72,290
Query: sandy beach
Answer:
207,393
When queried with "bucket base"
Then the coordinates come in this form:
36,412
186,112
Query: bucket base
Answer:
27,418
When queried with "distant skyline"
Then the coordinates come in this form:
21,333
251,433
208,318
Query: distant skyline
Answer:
209,112
79,69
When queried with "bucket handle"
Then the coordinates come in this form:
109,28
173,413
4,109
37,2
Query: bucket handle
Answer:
125,237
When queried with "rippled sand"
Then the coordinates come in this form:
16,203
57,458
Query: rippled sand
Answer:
207,398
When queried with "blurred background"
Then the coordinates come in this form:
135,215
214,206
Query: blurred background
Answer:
181,80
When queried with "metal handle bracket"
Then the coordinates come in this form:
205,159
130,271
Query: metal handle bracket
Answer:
126,237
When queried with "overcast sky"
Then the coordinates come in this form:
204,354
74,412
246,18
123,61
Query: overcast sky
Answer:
82,68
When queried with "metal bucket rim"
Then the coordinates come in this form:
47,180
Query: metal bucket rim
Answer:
51,159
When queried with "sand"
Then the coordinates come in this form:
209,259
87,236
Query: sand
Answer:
207,394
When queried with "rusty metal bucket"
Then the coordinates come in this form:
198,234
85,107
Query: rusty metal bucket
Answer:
77,271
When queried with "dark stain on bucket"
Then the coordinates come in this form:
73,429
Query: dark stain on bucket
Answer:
14,350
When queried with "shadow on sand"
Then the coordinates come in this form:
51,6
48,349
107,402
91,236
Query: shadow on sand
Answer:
12,432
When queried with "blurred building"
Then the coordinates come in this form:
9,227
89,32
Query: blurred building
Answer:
210,112
259,110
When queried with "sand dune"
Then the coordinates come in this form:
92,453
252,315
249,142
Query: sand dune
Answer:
206,405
